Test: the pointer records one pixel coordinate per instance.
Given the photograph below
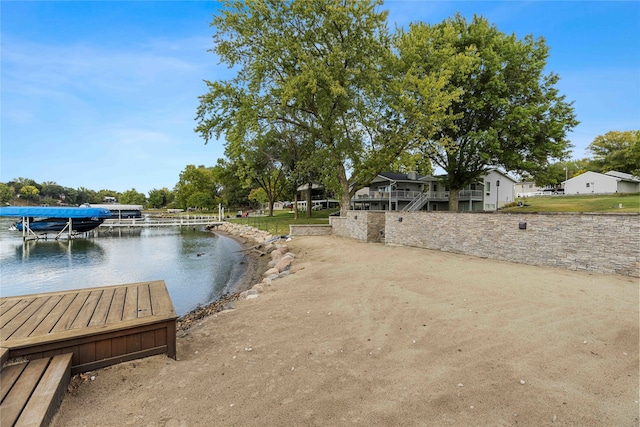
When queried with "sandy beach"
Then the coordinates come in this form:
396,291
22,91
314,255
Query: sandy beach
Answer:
373,335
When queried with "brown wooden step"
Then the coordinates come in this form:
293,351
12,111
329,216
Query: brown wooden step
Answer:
31,391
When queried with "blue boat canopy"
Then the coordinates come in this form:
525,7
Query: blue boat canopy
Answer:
54,212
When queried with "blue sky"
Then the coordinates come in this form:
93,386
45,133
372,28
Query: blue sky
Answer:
103,95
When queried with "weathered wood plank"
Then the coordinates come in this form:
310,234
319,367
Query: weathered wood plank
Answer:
14,311
7,304
19,394
144,300
34,321
160,304
102,309
21,318
49,322
9,376
117,305
69,315
130,310
4,355
47,396
84,315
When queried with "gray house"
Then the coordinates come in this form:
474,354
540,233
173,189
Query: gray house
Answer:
413,192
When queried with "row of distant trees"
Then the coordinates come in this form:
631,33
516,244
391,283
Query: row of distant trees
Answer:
204,187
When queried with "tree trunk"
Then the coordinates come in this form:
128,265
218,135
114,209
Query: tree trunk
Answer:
454,198
295,205
345,195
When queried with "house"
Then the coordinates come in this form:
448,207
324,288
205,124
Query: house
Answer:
412,192
599,183
320,197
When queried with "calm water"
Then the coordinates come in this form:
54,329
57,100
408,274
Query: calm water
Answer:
197,266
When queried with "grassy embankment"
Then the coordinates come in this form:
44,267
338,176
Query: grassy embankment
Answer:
609,203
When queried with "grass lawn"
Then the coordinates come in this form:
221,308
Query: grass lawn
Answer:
600,203
278,224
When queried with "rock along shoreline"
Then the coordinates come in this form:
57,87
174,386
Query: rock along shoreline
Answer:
267,257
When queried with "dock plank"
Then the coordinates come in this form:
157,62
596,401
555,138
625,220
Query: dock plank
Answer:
14,310
102,309
117,305
144,300
130,310
21,391
84,315
7,304
159,303
22,317
69,315
49,322
9,376
34,321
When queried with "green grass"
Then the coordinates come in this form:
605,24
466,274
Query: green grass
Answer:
278,224
598,203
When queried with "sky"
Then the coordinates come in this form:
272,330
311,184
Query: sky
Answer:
103,94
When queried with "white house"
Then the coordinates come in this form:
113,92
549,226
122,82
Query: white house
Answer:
410,192
599,183
499,190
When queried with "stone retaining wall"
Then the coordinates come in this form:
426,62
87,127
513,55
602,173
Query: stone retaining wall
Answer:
309,229
602,243
367,226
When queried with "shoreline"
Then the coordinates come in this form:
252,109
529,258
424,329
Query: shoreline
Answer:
254,266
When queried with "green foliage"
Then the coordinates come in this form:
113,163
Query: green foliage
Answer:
29,192
510,115
234,192
98,197
201,200
52,190
132,197
323,68
160,198
619,151
199,180
6,193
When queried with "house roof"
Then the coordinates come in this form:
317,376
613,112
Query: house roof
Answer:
623,176
395,176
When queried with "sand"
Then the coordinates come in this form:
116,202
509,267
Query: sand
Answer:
374,335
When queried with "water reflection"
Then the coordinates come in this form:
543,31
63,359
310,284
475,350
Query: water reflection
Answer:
72,251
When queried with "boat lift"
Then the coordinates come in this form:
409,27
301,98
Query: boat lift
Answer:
67,213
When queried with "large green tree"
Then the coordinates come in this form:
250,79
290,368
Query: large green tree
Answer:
234,191
160,198
132,197
510,114
6,193
616,150
199,182
325,67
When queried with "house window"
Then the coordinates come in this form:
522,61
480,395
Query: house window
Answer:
487,188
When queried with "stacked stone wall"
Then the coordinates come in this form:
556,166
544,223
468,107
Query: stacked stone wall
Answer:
309,229
367,226
602,243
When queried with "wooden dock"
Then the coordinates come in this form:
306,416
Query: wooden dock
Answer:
99,326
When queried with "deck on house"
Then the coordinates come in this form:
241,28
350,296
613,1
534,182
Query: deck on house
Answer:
99,326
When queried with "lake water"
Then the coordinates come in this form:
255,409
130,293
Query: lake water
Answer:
197,266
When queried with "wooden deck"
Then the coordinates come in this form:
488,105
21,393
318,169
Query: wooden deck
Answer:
99,326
